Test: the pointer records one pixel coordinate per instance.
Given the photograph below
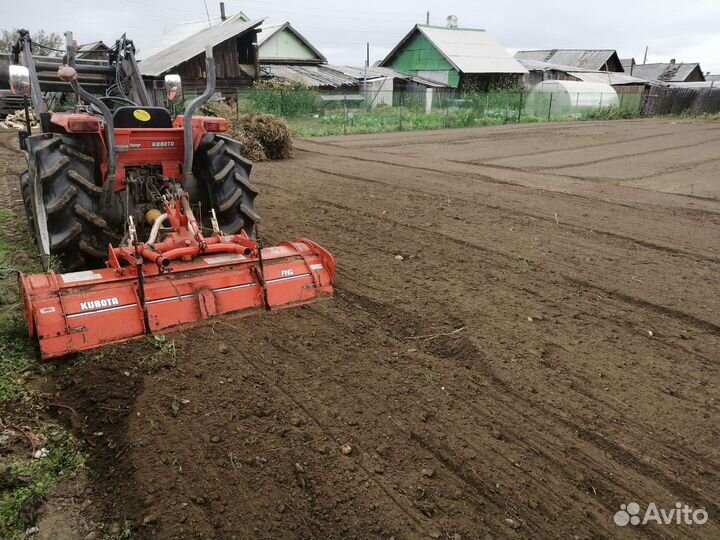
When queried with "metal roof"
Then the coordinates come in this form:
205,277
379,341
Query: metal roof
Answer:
191,46
267,31
587,75
582,58
607,77
335,76
86,47
677,72
468,50
627,63
182,31
376,72
309,75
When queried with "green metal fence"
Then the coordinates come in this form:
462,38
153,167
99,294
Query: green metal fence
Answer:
311,113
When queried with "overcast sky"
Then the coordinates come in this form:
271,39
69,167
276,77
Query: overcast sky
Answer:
688,31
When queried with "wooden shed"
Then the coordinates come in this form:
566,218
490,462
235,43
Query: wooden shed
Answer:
235,49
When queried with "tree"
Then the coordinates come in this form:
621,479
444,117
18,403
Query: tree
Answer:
41,39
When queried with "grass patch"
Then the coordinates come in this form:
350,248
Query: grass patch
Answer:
387,119
25,483
17,353
23,479
17,356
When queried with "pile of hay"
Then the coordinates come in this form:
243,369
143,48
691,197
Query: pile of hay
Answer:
264,137
17,121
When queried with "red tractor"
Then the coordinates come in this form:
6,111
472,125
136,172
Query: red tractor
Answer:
149,220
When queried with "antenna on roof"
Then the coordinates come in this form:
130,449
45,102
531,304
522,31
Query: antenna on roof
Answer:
645,57
207,12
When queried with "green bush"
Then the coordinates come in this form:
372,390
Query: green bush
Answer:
283,99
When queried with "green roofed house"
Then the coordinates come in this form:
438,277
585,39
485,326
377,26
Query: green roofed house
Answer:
465,58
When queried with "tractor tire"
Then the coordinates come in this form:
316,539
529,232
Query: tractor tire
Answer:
224,180
67,226
26,191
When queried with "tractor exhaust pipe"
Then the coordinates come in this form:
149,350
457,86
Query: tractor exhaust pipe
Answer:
195,104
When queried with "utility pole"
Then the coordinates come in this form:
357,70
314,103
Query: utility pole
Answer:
427,18
367,62
365,89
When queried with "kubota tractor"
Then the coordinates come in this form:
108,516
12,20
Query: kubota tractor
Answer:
148,220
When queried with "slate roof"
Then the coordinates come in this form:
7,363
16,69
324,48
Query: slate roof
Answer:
583,58
336,76
677,72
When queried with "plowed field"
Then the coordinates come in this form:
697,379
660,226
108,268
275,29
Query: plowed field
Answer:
526,335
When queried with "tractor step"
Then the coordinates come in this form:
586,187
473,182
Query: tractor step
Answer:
80,311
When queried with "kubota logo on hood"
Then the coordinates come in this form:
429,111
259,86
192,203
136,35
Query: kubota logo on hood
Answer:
97,304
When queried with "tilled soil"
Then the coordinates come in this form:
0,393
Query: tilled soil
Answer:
525,336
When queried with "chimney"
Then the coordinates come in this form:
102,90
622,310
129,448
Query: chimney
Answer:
452,21
222,11
672,61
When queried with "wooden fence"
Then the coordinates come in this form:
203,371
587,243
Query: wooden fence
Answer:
692,101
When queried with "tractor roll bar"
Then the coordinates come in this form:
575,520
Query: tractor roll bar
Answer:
191,108
24,46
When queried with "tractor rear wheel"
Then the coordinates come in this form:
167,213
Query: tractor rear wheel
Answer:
61,200
224,178
26,191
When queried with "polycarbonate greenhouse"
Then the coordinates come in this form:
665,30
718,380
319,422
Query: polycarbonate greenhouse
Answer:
569,98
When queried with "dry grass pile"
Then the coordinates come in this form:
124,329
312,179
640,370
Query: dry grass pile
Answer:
270,132
264,137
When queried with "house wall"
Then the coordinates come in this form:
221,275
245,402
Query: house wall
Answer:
285,45
696,75
378,92
231,73
630,88
97,54
419,55
613,64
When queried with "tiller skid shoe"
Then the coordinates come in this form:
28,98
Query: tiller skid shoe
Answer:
177,283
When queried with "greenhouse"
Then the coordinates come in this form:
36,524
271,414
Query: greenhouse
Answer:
569,98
